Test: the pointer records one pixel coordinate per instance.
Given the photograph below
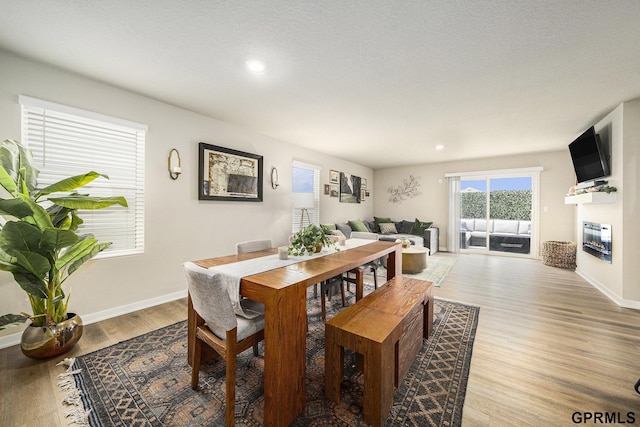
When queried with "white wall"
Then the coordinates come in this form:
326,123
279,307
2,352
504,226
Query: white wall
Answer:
178,227
557,223
631,202
620,280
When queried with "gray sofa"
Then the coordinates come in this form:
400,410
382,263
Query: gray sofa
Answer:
504,235
428,240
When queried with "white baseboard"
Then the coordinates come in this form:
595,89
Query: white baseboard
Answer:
607,292
87,319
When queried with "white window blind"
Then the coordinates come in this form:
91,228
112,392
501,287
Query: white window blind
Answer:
67,141
306,179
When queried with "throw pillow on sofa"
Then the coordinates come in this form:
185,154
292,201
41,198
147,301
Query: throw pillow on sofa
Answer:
405,227
379,220
388,228
358,225
344,229
328,228
419,227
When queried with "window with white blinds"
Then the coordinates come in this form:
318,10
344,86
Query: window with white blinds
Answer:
306,179
67,141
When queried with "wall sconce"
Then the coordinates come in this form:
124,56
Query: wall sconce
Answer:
274,178
174,171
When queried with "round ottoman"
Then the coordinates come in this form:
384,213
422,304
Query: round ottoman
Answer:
559,254
414,260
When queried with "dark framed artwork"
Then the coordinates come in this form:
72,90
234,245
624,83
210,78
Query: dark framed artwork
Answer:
226,174
326,189
350,186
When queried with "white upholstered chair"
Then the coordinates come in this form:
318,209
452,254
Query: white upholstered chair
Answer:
220,328
253,246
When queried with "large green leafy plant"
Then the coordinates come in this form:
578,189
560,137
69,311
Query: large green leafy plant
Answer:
39,242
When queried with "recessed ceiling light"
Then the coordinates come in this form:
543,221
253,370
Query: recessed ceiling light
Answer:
255,66
439,147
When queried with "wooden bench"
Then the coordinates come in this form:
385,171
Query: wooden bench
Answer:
386,329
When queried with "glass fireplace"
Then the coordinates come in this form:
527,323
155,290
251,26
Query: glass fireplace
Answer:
596,240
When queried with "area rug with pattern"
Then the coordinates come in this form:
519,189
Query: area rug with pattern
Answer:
145,381
438,268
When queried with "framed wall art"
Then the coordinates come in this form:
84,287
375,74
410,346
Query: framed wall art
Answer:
334,190
334,177
226,174
349,188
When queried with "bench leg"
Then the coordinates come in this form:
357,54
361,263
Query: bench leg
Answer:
379,364
333,365
428,314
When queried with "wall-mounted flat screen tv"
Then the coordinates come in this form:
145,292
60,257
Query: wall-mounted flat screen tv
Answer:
589,159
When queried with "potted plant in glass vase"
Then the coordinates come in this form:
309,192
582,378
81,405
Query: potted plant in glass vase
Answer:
41,247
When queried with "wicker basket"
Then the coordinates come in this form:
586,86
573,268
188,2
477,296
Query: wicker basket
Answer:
559,254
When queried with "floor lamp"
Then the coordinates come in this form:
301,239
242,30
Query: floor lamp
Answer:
304,202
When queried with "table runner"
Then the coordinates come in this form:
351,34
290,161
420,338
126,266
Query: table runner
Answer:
231,274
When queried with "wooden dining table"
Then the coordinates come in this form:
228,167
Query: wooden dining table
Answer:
283,291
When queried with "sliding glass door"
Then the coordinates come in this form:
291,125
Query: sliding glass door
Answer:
496,213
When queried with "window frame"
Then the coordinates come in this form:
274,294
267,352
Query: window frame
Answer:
314,213
46,125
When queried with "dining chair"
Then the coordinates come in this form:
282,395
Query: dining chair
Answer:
325,292
371,267
220,328
253,246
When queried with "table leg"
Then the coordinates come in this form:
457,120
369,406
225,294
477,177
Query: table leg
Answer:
394,263
284,355
359,283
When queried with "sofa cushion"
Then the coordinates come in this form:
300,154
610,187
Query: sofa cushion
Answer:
479,225
468,224
378,220
505,226
357,225
524,227
415,240
372,226
405,227
345,229
337,233
419,227
328,227
387,228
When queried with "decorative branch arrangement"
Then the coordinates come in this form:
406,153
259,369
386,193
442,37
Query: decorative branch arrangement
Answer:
407,190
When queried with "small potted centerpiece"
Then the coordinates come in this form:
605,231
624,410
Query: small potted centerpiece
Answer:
308,241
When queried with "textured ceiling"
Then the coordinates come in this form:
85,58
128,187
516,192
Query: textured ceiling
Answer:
380,83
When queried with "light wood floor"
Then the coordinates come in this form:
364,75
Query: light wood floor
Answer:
548,344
